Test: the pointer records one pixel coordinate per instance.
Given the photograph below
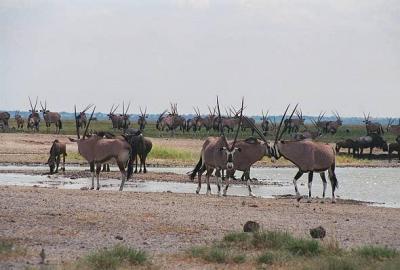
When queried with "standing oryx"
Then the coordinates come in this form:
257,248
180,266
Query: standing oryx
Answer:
394,129
307,155
57,149
33,118
4,117
293,125
333,126
81,119
125,117
372,127
142,119
20,121
51,117
97,150
171,121
264,123
217,153
116,119
208,121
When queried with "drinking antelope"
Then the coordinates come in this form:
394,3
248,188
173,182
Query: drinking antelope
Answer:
57,149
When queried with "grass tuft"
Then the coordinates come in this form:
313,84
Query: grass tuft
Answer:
304,247
216,254
266,258
239,258
236,237
376,252
114,257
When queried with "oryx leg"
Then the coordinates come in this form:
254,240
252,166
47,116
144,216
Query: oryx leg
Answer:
251,194
92,171
136,163
144,164
63,164
310,178
57,162
219,177
121,166
296,177
322,174
98,169
334,181
227,182
199,183
208,182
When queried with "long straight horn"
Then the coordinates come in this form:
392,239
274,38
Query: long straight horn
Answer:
123,107
240,123
255,129
87,126
41,105
112,107
34,108
280,124
127,108
115,109
290,117
30,102
221,128
76,123
87,108
145,111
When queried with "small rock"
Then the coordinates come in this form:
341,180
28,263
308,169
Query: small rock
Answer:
318,232
253,205
251,226
347,219
119,237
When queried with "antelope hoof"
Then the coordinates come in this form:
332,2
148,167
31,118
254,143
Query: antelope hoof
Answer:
299,198
333,200
98,188
91,188
251,194
224,193
208,192
144,171
219,194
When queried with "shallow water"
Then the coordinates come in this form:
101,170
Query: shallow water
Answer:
378,185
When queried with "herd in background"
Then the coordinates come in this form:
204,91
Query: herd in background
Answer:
171,121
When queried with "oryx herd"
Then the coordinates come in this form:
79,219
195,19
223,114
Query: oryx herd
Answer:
218,155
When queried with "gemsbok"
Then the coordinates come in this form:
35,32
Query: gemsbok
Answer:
33,118
57,149
308,156
51,117
4,117
97,150
217,153
19,120
81,117
142,118
372,127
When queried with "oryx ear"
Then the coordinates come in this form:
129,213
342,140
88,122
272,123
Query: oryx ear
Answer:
239,149
222,148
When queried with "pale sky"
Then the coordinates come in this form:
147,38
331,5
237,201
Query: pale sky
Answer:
331,54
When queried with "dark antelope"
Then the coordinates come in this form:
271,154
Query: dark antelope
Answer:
81,117
217,153
4,117
264,123
372,127
293,125
51,117
142,118
33,118
116,120
370,141
125,117
333,126
57,149
394,129
97,150
20,121
307,155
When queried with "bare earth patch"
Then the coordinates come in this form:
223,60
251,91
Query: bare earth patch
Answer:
70,223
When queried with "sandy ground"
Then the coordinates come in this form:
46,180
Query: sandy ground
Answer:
70,223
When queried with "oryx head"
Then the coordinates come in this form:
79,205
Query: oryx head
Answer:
52,163
230,151
272,148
